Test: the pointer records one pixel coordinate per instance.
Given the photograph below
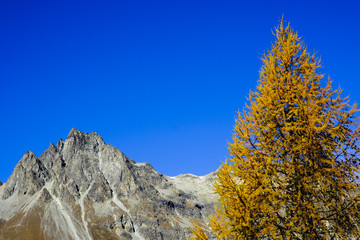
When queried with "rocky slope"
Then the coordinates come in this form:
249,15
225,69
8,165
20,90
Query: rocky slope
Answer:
83,188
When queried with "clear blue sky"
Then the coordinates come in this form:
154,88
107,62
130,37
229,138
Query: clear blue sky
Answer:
160,80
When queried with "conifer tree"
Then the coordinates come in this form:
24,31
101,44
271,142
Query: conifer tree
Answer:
293,171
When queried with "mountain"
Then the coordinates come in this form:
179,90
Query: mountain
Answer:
82,188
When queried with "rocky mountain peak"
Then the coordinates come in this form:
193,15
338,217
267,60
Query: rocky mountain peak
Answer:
60,144
80,141
82,137
28,160
101,194
52,146
29,176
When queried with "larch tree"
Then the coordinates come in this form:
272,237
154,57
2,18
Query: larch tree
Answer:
293,171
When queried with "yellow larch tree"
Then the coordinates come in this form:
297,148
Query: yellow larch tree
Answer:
293,171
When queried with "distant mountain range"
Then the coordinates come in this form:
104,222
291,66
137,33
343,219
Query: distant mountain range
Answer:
83,189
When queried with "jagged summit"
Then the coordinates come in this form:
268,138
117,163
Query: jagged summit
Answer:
83,188
75,131
78,134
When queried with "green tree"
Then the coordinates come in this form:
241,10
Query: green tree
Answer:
293,171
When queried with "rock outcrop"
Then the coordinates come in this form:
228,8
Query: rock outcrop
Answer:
82,188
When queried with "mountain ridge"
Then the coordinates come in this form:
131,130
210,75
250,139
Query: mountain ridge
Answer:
83,188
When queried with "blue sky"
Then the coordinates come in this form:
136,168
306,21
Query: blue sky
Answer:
160,80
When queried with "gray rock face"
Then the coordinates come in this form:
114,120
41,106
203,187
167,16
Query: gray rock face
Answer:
28,177
83,188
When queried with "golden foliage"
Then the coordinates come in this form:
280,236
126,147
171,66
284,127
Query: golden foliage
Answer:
294,168
198,232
